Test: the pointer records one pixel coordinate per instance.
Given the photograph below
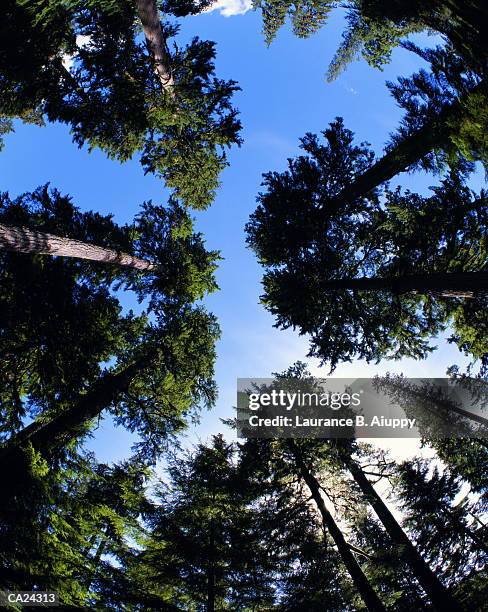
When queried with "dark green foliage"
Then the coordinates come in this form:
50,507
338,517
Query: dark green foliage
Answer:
83,64
374,27
462,23
373,39
233,527
240,519
62,323
388,556
426,94
315,583
307,238
64,333
57,323
204,549
312,571
445,527
306,16
468,460
182,8
53,536
309,573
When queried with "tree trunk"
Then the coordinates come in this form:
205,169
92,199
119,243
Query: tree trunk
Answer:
435,133
438,407
26,240
445,284
156,43
211,568
367,593
68,425
95,560
435,590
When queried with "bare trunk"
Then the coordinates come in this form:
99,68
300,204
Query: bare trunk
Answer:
436,591
366,591
436,133
46,437
156,43
26,240
444,284
211,568
438,407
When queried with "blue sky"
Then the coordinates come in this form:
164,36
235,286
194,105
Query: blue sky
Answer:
284,95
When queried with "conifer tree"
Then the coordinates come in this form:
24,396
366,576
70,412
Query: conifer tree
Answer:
436,591
368,278
445,123
449,99
61,321
83,64
467,459
53,537
375,27
309,572
365,561
367,593
203,550
326,467
444,520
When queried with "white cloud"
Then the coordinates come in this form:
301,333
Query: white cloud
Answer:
228,8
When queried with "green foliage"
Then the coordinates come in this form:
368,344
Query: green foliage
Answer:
461,23
443,527
62,323
237,517
54,534
444,507
306,239
373,39
177,381
231,527
313,571
84,65
306,16
468,460
203,543
182,8
426,94
375,27
6,126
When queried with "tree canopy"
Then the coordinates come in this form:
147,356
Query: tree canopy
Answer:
103,320
64,330
373,27
315,249
84,64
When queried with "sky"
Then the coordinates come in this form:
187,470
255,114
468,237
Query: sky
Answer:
283,95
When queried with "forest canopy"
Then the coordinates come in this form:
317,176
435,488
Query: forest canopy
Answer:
120,490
